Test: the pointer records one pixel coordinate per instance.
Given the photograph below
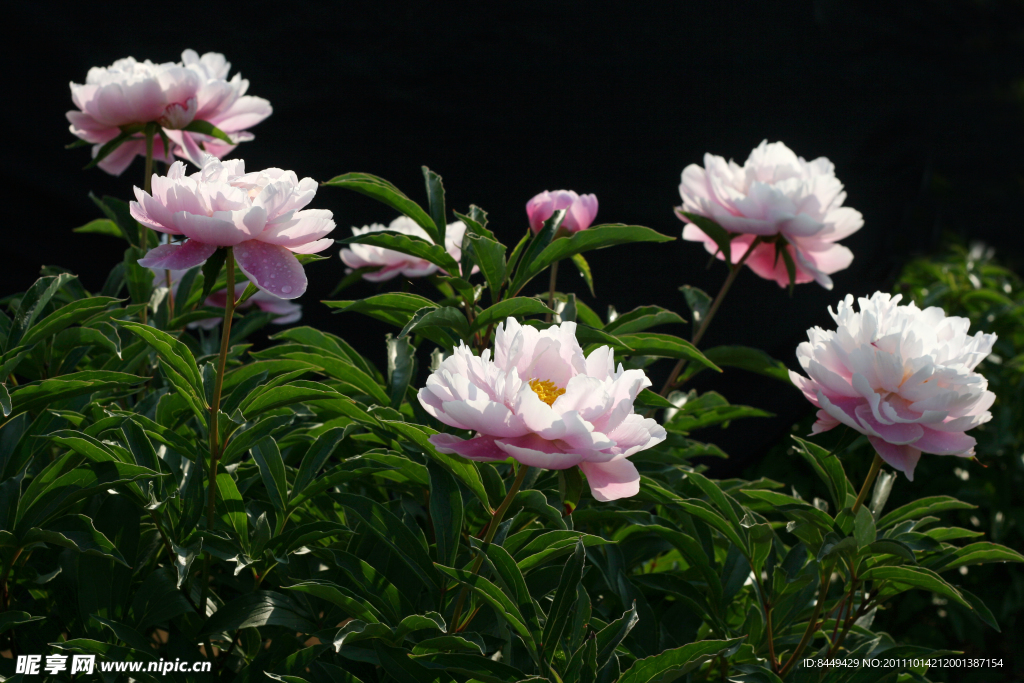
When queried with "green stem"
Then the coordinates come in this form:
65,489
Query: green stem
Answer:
876,465
214,427
826,581
734,271
170,295
551,290
492,529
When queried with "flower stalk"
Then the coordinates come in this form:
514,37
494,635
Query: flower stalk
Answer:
214,427
551,290
734,271
492,529
876,466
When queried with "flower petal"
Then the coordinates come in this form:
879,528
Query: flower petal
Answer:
273,269
612,480
903,458
178,256
481,448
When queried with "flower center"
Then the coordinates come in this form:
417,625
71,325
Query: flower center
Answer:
546,390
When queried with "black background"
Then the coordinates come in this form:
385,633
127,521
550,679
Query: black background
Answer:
915,102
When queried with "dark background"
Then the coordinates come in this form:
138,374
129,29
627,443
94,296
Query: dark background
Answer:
916,103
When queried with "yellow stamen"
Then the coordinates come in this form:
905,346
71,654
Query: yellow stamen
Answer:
546,389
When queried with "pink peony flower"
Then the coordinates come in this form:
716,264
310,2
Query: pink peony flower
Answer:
286,311
129,93
581,210
775,193
173,95
220,102
543,403
258,214
902,376
395,262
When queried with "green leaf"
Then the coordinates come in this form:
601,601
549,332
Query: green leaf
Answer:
564,599
444,318
750,359
344,370
981,610
398,666
207,128
44,393
172,351
649,399
676,662
407,244
828,468
246,438
716,232
32,304
887,546
259,608
904,577
533,247
268,459
316,456
5,400
567,311
395,308
67,315
698,301
642,318
211,270
184,556
110,146
516,307
584,268
120,213
435,203
707,410
138,278
464,470
665,346
393,533
76,532
922,507
16,618
385,192
273,398
353,605
864,527
597,237
570,489
489,254
496,598
476,668
517,251
401,366
787,258
446,512
231,502
101,226
979,553
67,480
609,637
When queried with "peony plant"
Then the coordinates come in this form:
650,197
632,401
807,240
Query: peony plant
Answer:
507,499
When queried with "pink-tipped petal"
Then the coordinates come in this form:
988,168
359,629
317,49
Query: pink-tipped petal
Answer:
480,448
612,480
273,269
178,256
903,458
